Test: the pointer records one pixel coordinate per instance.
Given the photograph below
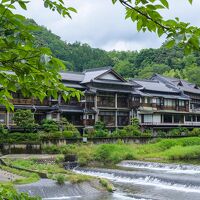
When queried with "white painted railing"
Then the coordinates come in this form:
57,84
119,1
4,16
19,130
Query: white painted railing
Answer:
170,124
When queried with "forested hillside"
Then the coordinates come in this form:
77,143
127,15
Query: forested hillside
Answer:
77,57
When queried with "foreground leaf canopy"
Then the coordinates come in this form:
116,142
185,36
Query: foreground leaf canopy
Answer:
23,67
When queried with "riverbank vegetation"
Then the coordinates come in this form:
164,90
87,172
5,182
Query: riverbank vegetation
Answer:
27,177
53,130
180,149
54,170
7,191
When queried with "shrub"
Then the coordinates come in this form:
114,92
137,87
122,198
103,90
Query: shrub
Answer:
183,153
50,125
50,135
71,134
130,130
109,187
195,132
3,131
25,119
8,192
178,132
60,179
68,129
20,137
99,125
59,159
161,134
101,133
113,153
100,130
146,133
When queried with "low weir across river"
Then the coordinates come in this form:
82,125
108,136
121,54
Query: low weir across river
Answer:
147,180
133,180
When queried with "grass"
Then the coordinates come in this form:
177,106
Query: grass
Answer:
106,184
8,192
179,149
27,176
52,170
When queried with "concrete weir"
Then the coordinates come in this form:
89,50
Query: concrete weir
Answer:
49,189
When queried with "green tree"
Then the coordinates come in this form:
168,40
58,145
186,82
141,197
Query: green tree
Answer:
50,125
24,119
149,70
32,70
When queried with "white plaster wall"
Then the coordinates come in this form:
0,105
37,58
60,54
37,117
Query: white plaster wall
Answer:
109,77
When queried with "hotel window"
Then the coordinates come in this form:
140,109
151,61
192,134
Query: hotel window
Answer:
168,102
3,118
167,118
108,117
11,121
181,103
158,101
122,118
188,118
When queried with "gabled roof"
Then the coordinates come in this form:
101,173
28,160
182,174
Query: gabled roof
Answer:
102,74
181,84
90,75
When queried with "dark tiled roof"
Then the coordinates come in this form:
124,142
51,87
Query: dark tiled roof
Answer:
154,85
72,76
178,83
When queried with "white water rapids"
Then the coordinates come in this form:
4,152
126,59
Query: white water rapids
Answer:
133,180
169,168
148,180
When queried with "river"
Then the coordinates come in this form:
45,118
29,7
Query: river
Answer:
137,180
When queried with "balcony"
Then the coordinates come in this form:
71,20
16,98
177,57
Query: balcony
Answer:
37,102
22,101
189,124
89,122
108,104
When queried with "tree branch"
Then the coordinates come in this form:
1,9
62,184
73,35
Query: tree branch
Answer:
127,5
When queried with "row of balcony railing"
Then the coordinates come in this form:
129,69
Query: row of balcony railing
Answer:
91,104
170,123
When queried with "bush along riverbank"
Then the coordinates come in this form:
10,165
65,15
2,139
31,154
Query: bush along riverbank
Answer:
166,150
7,191
53,130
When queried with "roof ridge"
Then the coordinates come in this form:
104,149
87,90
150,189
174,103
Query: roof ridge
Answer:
97,69
145,80
72,72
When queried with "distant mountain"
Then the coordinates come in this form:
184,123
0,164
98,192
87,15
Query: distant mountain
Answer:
78,57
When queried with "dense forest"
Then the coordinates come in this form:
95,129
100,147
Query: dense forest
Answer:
142,64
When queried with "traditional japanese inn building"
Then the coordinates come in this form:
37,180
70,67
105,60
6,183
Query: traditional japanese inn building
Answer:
158,102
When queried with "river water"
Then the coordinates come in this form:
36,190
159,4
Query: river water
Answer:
135,180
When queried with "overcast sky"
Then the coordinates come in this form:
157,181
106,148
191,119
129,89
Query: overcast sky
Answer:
102,25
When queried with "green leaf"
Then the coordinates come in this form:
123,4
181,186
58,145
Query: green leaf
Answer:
190,1
22,4
170,44
114,1
165,3
72,9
